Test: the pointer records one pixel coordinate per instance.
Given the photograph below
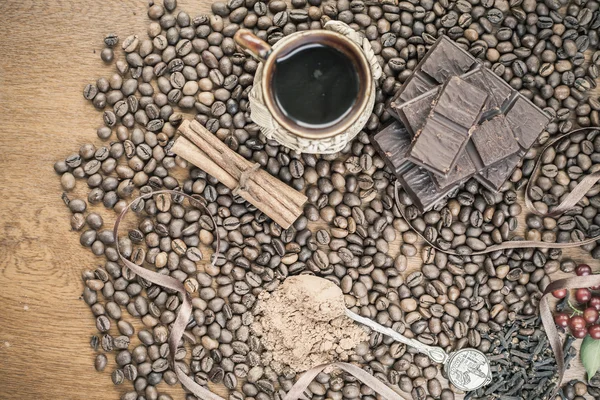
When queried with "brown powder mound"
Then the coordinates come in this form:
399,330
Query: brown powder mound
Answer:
303,324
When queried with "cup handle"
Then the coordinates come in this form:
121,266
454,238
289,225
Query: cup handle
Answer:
253,45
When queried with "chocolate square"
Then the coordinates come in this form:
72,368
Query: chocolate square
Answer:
393,143
460,102
415,86
497,89
446,132
437,146
462,170
414,113
526,120
494,140
446,59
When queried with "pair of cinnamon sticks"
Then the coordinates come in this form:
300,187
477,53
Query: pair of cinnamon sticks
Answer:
201,148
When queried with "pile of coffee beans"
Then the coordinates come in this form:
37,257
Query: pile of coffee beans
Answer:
472,220
190,64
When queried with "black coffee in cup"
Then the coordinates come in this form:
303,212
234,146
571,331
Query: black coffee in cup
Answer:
315,85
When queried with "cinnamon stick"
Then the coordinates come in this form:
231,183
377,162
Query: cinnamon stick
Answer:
271,184
186,150
257,195
273,197
234,164
267,204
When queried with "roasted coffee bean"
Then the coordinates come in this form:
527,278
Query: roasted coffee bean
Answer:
100,362
117,377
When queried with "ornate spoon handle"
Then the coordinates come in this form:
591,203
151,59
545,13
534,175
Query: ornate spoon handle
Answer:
437,354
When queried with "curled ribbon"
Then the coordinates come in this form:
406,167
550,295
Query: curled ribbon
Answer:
569,283
185,312
297,391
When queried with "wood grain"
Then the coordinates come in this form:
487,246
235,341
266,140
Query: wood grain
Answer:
48,52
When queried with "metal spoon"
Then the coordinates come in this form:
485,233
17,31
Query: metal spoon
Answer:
467,369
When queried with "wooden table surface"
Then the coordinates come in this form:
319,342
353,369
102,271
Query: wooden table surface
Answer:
49,50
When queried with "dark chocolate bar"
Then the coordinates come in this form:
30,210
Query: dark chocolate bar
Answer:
444,136
501,98
507,125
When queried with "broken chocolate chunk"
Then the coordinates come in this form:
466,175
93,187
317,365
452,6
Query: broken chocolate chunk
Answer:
393,143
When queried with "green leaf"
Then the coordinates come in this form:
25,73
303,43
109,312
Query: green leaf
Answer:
590,355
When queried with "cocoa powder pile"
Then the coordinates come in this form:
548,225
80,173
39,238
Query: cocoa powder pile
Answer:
303,324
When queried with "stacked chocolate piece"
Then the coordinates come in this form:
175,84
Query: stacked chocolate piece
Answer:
456,120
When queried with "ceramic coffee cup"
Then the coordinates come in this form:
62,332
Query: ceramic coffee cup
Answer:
268,109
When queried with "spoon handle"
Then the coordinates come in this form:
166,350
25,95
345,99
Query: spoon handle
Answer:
437,354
